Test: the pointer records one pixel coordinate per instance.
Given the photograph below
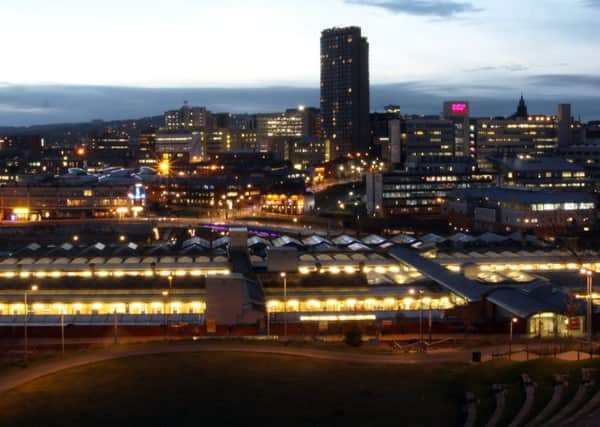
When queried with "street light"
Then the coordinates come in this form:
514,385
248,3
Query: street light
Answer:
165,295
33,289
284,276
115,326
164,167
420,292
62,329
427,300
512,321
589,277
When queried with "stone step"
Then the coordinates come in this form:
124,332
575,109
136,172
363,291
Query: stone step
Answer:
545,414
500,390
523,413
592,404
471,408
575,403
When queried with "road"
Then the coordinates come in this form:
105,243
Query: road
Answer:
165,222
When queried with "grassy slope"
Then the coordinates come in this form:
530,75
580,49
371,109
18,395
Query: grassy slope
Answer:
196,389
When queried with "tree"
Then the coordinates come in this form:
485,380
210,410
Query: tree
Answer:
353,336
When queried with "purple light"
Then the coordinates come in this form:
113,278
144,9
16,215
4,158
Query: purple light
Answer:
460,108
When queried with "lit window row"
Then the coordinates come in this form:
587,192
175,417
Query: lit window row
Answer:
157,306
113,273
357,304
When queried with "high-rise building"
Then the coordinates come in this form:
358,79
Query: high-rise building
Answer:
345,91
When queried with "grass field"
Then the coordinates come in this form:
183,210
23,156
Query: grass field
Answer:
232,389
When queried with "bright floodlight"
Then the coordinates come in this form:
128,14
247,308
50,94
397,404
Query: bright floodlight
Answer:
164,167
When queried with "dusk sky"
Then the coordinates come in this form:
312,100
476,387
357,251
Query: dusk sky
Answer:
472,49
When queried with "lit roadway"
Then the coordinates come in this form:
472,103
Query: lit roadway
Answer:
280,227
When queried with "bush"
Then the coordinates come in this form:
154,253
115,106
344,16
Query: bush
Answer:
353,337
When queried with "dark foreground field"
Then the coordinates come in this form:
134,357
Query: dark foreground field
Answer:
196,389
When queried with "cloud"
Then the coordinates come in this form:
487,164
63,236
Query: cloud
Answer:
568,80
435,8
28,105
592,3
510,67
23,109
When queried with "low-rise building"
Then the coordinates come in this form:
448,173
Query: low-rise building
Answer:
71,196
186,147
511,209
422,188
541,172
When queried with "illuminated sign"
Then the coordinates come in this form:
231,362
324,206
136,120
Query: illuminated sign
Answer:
459,108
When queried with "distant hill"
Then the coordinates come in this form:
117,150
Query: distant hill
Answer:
132,126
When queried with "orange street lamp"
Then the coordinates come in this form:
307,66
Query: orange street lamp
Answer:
512,321
26,308
589,279
284,276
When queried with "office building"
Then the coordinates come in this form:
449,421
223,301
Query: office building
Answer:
186,147
188,118
422,188
305,152
235,121
274,132
521,133
112,148
427,137
551,172
288,124
217,141
345,91
510,209
464,133
380,143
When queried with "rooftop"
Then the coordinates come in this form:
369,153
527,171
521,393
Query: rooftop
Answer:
523,196
537,164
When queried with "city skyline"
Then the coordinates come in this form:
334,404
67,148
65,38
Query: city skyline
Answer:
29,106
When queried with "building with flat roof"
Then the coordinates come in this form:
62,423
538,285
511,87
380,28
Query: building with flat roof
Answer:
464,139
345,91
423,186
75,195
188,119
185,147
541,172
512,209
